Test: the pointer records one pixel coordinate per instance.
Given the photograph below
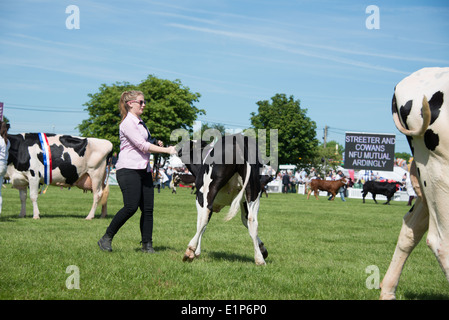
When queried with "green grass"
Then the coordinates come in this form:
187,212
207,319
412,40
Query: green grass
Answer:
317,250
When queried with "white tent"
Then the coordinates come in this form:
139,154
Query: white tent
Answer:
396,174
287,167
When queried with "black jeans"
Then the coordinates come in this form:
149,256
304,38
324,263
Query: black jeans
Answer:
138,192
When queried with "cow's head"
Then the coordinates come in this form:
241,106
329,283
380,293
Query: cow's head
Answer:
265,180
176,179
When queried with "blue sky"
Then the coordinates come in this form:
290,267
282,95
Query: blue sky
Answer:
234,53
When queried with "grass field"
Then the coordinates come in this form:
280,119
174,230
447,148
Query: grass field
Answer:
317,250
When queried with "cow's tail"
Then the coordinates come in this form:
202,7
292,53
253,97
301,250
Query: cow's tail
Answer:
425,116
105,194
235,205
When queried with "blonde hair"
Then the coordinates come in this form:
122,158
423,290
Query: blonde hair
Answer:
124,98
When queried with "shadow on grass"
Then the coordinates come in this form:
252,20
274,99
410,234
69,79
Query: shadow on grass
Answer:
230,256
158,249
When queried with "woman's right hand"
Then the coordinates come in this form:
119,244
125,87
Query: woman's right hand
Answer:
171,150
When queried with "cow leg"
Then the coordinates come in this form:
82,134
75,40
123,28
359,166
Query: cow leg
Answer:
104,201
91,214
202,227
415,223
315,193
97,194
388,200
34,192
258,244
198,247
374,198
194,247
33,198
23,201
253,226
437,239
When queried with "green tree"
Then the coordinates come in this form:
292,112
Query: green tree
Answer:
104,115
169,106
403,155
297,141
205,126
6,120
328,158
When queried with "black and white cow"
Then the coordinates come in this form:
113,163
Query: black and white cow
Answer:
227,174
62,160
421,111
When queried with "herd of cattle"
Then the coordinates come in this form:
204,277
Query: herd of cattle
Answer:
385,188
64,160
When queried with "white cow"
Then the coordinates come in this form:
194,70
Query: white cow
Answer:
420,110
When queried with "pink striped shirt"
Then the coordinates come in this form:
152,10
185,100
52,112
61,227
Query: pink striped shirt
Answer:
133,144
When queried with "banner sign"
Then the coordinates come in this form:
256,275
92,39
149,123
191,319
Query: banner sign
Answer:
369,151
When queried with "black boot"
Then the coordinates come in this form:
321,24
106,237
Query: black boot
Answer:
105,243
147,247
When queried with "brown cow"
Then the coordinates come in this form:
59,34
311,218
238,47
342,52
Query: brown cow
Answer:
326,185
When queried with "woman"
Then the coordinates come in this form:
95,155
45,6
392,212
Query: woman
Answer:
4,152
133,171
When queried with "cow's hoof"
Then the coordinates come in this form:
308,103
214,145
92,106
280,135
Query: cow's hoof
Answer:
36,217
89,218
187,258
261,263
189,255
